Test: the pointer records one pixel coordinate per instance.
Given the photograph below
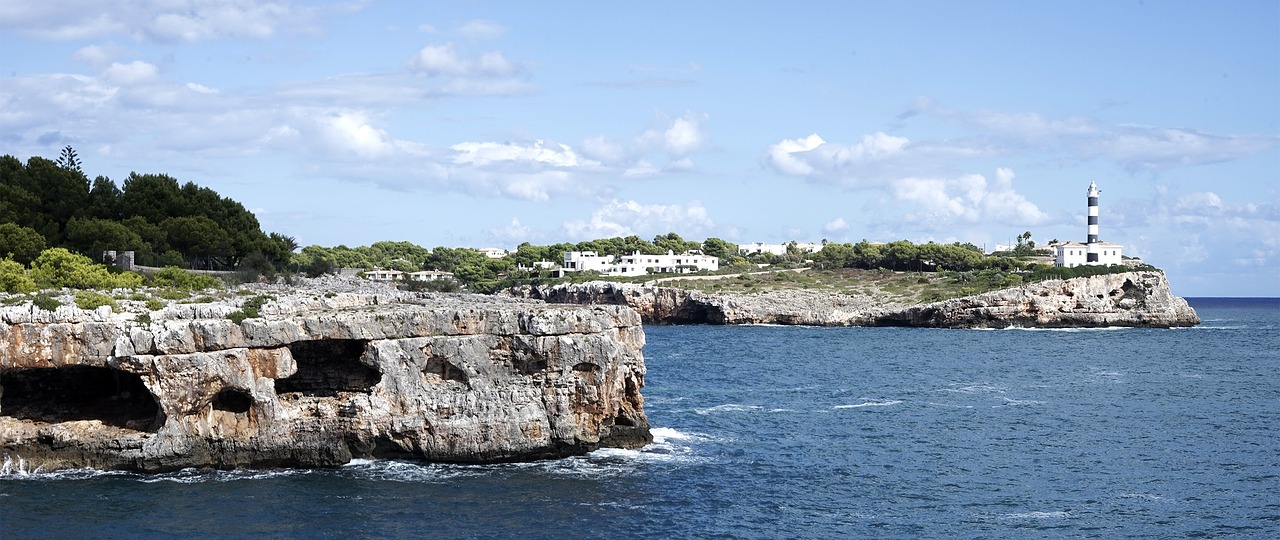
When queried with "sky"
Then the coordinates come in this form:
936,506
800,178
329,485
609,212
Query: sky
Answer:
488,124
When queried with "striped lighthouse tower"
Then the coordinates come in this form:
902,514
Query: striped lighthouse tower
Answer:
1091,245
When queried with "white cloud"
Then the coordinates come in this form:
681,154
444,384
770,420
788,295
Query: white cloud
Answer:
352,132
512,233
481,154
1075,138
783,156
195,87
836,225
670,142
813,156
481,30
135,72
1153,148
685,135
162,20
443,59
95,55
969,199
632,218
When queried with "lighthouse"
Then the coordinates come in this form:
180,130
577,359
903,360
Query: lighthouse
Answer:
1093,250
1092,241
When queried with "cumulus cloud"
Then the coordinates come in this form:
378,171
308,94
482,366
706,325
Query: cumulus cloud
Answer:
836,225
685,134
814,156
666,146
625,218
443,59
512,233
967,199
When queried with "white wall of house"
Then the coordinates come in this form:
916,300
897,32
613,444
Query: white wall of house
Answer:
430,275
777,249
1072,254
638,264
383,275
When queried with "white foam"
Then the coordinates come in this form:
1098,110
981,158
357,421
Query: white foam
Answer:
975,389
1037,515
730,407
408,471
1069,330
1015,402
870,404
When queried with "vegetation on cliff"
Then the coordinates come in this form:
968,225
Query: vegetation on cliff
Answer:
46,203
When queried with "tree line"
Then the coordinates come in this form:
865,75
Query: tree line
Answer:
52,203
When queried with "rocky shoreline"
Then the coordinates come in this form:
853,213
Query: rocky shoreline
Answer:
1133,299
322,375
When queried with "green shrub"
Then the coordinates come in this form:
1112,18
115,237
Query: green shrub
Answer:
173,294
249,309
14,279
143,318
201,300
46,302
177,278
154,304
93,300
58,268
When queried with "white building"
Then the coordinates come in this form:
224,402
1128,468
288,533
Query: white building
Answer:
638,264
383,275
1093,251
777,249
585,261
1072,254
671,263
429,275
492,252
536,266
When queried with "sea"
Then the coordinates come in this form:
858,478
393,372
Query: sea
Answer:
804,432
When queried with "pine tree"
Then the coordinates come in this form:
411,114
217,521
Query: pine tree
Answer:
69,160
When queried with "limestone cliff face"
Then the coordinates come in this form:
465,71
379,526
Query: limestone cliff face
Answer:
1131,299
1140,299
318,380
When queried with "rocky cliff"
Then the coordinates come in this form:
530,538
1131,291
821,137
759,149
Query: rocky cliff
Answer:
317,380
1141,299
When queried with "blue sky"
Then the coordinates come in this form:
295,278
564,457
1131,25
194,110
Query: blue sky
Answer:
492,123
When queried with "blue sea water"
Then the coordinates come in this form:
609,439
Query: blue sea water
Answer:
796,432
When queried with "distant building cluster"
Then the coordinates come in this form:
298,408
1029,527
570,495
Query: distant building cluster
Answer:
1066,254
637,264
777,249
396,275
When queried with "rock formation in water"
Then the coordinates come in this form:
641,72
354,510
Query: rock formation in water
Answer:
1140,299
317,380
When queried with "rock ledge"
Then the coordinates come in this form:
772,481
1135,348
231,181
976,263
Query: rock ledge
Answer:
317,380
1136,299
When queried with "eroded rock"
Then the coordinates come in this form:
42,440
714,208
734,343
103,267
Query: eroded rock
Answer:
318,380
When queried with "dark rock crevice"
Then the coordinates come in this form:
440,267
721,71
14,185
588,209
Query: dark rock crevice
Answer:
63,394
327,367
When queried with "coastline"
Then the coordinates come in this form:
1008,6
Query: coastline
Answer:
1130,299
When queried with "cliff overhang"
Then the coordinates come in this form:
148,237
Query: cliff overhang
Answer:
318,380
